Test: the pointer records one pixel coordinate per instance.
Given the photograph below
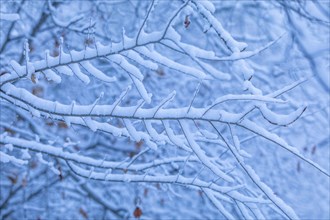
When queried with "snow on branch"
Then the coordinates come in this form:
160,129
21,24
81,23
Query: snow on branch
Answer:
5,158
174,179
230,42
132,137
59,152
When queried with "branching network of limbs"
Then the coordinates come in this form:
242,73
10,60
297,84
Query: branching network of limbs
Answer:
189,129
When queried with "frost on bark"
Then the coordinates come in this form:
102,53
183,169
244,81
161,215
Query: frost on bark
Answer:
146,109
